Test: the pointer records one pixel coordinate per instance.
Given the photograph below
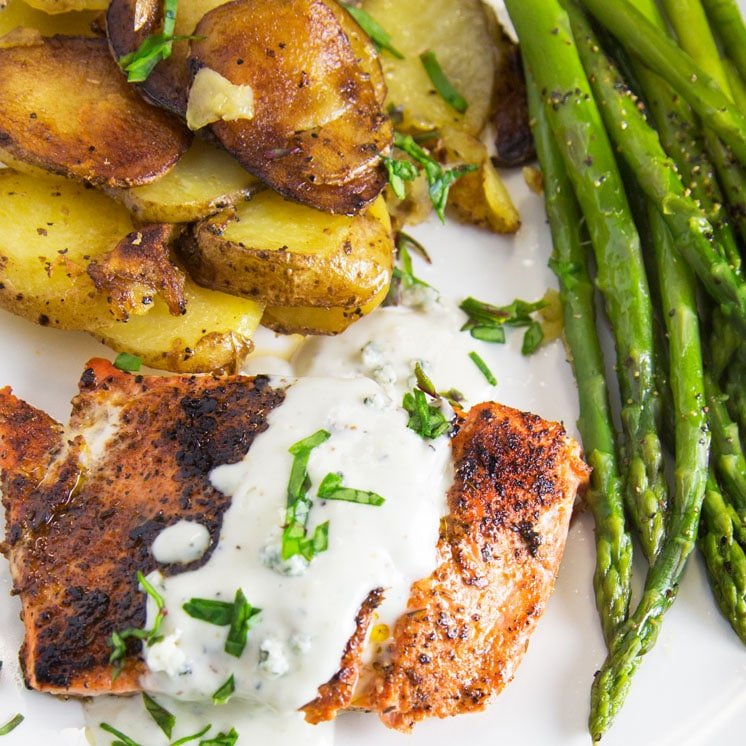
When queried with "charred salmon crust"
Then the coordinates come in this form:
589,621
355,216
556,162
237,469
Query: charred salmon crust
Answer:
81,518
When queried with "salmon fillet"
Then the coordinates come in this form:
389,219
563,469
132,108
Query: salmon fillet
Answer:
80,518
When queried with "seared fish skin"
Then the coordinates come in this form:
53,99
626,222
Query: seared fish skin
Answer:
467,626
80,518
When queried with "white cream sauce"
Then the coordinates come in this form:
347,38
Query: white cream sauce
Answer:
308,609
387,344
183,542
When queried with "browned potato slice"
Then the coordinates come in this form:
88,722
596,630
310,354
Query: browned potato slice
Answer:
130,22
318,129
285,254
65,6
214,333
66,108
456,30
480,198
299,320
205,181
18,14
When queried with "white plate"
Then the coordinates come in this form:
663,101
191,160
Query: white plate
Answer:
690,690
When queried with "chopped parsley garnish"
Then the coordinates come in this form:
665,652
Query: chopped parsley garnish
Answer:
331,488
442,85
403,275
222,739
439,179
225,691
237,615
399,171
378,35
424,419
423,382
532,338
193,737
164,719
149,636
124,740
128,363
486,322
406,243
139,64
12,724
295,538
486,372
218,613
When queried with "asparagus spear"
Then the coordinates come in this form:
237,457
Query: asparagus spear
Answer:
725,15
662,55
726,447
681,137
657,177
690,24
611,579
720,532
677,287
575,121
735,388
737,84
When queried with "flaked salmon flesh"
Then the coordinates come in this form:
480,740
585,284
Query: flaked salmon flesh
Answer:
80,520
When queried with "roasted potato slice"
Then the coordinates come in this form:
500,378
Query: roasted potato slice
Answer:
285,254
51,230
205,181
65,107
17,14
318,129
214,333
65,6
130,22
456,30
299,320
480,198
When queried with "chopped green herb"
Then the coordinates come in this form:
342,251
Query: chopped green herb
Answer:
163,718
241,621
442,85
124,740
378,35
128,363
219,613
222,739
150,636
421,137
423,382
405,242
225,692
331,489
532,338
439,180
193,737
486,372
453,396
486,322
295,539
399,171
403,276
12,724
424,419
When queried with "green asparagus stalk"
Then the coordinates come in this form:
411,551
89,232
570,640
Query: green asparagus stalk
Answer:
678,297
690,24
737,85
724,556
611,579
681,137
727,452
735,389
657,177
725,16
663,56
579,132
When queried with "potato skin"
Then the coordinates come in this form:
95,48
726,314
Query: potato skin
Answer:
318,130
285,254
66,108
